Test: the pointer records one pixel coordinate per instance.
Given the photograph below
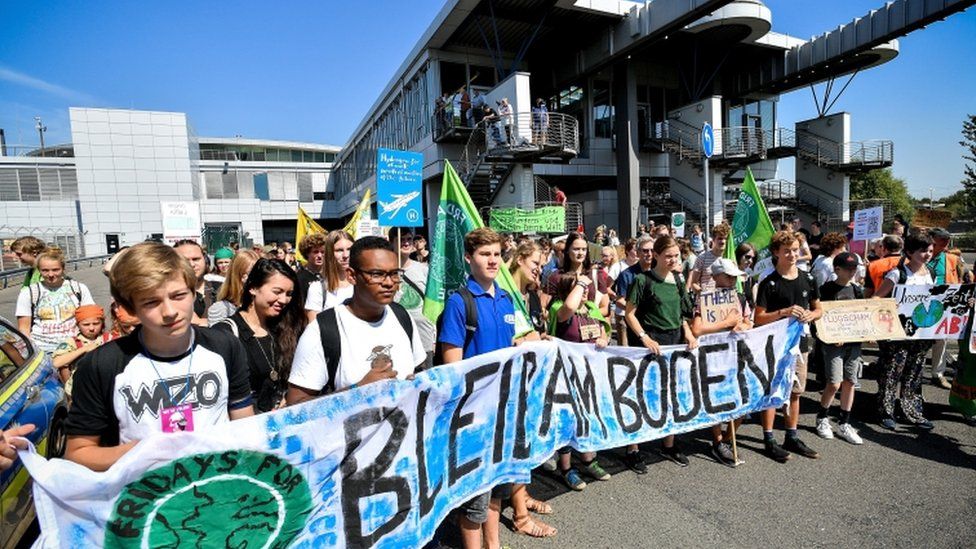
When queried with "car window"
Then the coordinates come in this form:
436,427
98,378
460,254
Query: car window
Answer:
14,351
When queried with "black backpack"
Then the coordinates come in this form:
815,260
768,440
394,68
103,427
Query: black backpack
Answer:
332,343
470,323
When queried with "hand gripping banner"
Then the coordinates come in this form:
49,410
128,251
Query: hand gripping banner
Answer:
383,465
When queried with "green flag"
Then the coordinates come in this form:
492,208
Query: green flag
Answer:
751,224
456,217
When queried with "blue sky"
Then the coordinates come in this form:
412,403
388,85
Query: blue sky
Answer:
309,71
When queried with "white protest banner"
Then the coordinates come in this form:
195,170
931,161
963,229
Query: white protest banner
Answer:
867,223
717,305
383,465
859,320
368,227
934,312
181,220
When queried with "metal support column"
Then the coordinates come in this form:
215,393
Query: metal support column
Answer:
627,143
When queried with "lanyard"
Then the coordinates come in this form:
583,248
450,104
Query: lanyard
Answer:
189,368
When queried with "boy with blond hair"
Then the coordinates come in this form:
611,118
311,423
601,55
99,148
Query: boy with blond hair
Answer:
167,376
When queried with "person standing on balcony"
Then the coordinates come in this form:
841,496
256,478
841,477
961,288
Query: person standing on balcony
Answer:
559,196
540,122
505,111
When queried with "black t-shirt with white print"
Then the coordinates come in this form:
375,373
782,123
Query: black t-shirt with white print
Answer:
121,393
777,292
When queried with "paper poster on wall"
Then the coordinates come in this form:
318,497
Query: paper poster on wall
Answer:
181,221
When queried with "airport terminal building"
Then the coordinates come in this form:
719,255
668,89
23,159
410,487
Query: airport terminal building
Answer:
105,189
608,100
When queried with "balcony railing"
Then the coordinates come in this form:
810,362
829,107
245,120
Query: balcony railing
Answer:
520,137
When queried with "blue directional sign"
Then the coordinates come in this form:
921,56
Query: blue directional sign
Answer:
399,188
707,140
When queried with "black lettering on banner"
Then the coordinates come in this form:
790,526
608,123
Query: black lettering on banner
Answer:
619,393
586,390
204,463
459,421
707,381
523,447
180,473
695,387
506,385
425,495
229,459
746,361
552,397
663,389
359,483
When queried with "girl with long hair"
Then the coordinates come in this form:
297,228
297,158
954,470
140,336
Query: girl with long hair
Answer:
576,260
268,323
334,287
230,292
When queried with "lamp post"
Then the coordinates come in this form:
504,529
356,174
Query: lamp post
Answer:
41,128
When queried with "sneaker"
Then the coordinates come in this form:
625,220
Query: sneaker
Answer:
722,453
594,470
889,424
776,452
573,479
550,464
824,430
796,446
925,425
635,462
848,433
675,455
941,381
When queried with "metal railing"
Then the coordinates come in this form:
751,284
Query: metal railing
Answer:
679,138
870,152
519,136
742,141
69,264
824,152
33,151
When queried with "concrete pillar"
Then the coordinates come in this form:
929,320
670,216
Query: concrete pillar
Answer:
518,189
822,186
688,178
628,145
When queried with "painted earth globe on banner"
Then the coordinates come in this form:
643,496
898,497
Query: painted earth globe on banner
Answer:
746,218
677,220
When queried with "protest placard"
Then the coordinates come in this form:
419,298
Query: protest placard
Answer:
678,224
934,312
383,465
550,219
859,320
867,223
717,305
399,188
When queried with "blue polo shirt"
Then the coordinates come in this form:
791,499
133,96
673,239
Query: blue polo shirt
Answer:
626,278
496,321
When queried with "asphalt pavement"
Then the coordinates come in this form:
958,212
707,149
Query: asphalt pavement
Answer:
901,489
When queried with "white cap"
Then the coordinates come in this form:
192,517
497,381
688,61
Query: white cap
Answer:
560,238
724,265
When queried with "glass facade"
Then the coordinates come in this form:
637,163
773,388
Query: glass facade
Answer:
38,183
246,153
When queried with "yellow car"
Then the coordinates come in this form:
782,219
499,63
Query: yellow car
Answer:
30,392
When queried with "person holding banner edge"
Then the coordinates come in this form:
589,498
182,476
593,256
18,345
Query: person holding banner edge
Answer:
725,274
658,309
788,293
902,361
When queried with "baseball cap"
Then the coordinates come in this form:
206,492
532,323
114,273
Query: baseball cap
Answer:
846,260
724,265
561,238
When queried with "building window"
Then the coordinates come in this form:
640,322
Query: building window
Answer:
602,109
261,189
305,187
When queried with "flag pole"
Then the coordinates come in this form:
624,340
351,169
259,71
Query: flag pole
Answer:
399,246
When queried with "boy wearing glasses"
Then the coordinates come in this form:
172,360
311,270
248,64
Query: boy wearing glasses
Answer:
373,340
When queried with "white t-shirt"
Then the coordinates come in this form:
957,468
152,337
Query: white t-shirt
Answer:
823,270
313,302
362,344
54,313
913,278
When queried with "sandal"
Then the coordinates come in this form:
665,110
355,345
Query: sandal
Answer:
537,507
529,527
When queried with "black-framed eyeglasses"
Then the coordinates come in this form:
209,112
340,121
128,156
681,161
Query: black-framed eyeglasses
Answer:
377,277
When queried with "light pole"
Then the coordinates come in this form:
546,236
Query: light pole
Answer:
41,128
931,198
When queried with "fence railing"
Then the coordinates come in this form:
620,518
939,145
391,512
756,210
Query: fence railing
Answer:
519,134
69,265
33,151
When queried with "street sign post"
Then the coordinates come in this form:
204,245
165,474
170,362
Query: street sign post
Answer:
708,147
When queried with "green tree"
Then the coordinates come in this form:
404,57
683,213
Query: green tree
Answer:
957,204
882,184
969,171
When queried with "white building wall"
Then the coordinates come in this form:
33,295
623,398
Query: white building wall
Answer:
127,163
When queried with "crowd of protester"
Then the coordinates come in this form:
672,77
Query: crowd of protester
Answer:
272,332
